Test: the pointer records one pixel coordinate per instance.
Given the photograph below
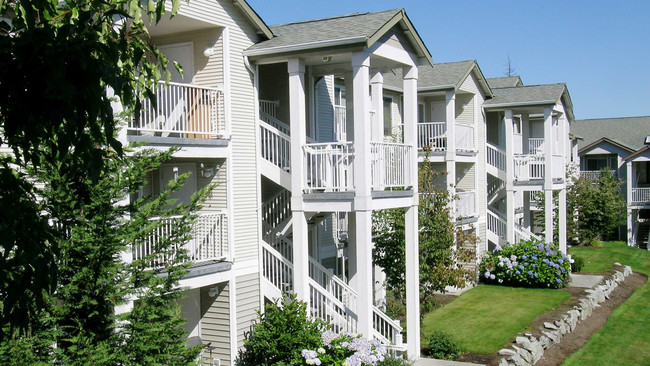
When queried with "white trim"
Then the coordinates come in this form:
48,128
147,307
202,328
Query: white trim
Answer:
232,303
305,46
225,45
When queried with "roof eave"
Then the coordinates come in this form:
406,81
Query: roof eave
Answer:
520,104
253,18
609,141
305,46
410,32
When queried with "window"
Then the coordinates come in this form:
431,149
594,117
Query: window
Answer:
598,162
339,95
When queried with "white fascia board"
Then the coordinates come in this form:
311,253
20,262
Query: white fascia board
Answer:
305,46
521,104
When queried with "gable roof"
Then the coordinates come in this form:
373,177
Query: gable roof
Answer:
627,131
253,18
505,82
443,76
531,95
603,140
637,153
346,30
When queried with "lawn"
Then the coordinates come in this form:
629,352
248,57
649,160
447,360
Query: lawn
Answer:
486,318
625,337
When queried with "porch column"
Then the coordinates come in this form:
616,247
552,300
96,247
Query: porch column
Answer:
450,156
548,174
298,122
628,198
349,106
525,134
527,218
362,235
510,177
411,220
377,97
562,142
562,234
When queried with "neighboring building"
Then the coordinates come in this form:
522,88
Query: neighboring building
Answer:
618,144
528,150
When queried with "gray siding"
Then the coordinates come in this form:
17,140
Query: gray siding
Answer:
248,300
325,109
215,323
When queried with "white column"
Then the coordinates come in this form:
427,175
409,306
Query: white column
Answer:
510,177
450,156
362,277
562,234
628,186
297,115
563,138
377,97
225,51
349,106
548,174
411,221
525,134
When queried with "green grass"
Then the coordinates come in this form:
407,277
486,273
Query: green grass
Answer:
485,318
625,338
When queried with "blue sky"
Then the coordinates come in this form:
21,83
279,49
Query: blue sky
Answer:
600,49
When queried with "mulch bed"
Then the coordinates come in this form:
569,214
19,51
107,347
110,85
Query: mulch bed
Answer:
571,342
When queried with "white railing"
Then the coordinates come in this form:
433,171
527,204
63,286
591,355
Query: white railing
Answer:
275,146
496,157
558,167
276,269
390,165
466,204
641,195
327,307
596,174
209,241
340,124
269,107
494,185
334,285
536,145
387,330
432,136
277,241
397,133
528,167
182,110
277,209
496,224
328,166
276,123
521,233
465,138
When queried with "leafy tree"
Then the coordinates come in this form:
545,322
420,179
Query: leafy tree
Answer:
445,249
61,64
63,190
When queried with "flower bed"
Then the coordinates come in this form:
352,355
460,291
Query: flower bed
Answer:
527,264
345,349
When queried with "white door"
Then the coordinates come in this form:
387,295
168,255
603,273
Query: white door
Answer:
170,172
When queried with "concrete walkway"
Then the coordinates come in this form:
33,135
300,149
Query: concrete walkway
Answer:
584,281
432,362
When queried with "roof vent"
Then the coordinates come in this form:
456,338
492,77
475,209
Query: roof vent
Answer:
647,140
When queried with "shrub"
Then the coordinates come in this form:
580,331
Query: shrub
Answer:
281,333
345,350
442,346
577,264
527,264
393,361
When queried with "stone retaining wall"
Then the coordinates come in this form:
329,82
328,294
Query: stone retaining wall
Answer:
528,349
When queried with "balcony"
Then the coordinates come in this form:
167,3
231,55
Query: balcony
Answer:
536,145
466,204
640,196
595,174
532,166
209,241
432,136
182,111
330,166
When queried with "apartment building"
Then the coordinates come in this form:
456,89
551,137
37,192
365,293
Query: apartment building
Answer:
618,145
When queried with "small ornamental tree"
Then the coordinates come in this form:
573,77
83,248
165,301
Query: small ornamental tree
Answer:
444,247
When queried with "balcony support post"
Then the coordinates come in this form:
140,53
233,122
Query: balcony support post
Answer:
377,96
510,177
450,156
628,186
411,220
525,134
297,116
562,234
548,174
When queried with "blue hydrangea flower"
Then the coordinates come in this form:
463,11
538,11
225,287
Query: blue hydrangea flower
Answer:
558,280
517,272
530,273
524,256
534,258
560,260
492,277
521,267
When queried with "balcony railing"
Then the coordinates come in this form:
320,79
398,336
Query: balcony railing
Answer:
536,145
329,167
391,165
432,136
340,124
641,195
528,166
596,174
209,241
466,204
182,110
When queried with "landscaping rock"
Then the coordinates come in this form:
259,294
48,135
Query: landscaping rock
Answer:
548,325
507,352
523,341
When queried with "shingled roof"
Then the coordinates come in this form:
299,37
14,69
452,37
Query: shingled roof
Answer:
351,29
627,131
505,82
440,76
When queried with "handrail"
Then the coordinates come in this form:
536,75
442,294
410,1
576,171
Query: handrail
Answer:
276,123
495,156
388,330
275,146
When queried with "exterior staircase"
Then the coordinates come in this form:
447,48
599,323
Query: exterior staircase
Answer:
331,298
643,234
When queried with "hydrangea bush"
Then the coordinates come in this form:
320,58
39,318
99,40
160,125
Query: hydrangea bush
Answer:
346,349
527,264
